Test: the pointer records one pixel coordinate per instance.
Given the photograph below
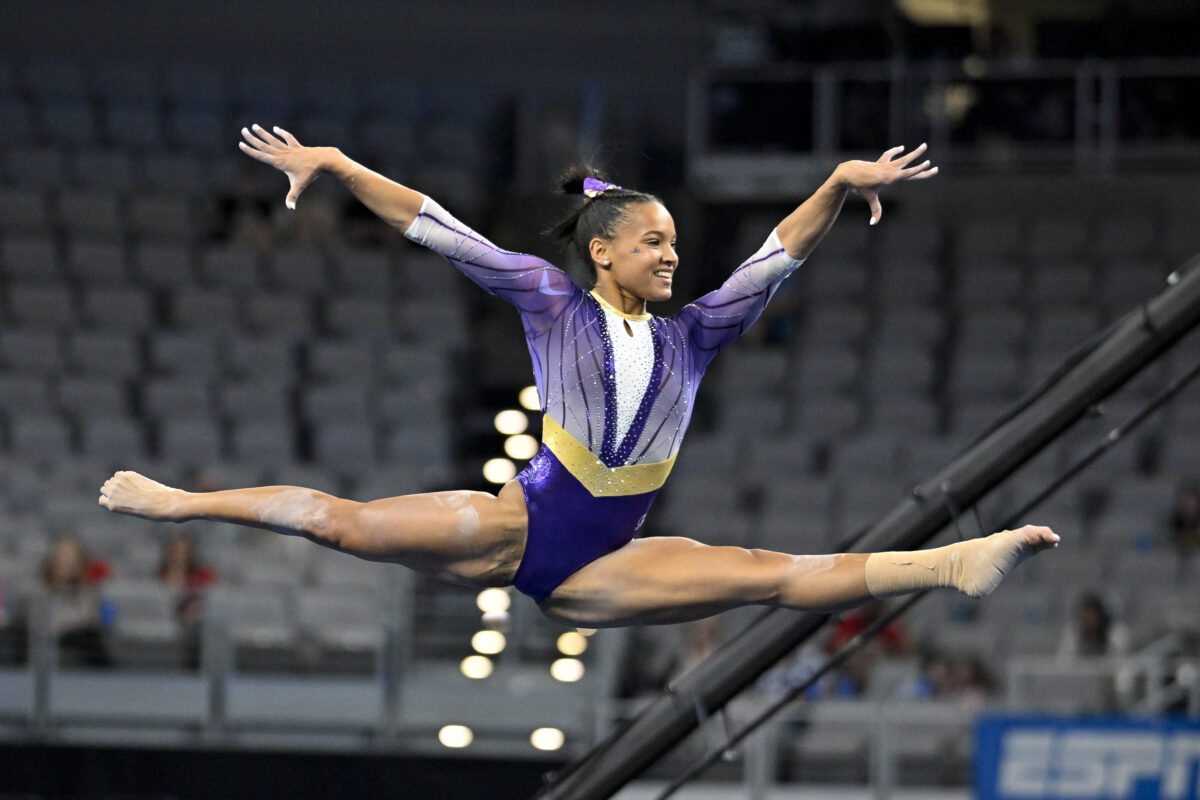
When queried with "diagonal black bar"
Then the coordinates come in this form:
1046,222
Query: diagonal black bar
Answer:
1132,343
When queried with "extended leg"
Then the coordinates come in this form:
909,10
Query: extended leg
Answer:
470,537
670,579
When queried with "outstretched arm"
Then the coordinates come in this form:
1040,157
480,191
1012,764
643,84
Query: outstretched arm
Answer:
803,229
395,204
537,288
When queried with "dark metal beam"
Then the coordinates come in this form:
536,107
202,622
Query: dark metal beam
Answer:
1135,341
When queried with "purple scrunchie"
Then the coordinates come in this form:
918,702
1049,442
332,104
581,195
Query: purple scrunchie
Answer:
593,187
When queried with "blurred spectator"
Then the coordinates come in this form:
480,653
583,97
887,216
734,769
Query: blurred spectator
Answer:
1185,518
244,213
181,569
891,641
964,676
69,590
1093,632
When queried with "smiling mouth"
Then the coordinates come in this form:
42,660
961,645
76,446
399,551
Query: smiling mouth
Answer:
664,275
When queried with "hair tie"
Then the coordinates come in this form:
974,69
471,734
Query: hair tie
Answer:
593,187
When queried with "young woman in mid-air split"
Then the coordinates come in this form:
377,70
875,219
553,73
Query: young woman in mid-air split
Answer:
617,387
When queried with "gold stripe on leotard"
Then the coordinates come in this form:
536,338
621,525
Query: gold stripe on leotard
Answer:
598,479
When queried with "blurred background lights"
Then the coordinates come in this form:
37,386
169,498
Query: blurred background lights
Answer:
476,667
529,399
522,447
499,470
511,421
547,739
492,601
572,643
567,670
488,642
455,736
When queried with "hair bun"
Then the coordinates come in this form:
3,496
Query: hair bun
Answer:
571,180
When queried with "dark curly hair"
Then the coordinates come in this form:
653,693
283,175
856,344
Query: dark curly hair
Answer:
597,217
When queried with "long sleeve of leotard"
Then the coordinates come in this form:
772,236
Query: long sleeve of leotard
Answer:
717,319
536,287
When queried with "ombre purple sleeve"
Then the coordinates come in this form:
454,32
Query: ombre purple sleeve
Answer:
536,287
719,318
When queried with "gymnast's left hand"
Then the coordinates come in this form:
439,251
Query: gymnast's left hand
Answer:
300,164
868,177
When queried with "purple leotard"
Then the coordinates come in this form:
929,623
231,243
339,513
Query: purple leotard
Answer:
590,486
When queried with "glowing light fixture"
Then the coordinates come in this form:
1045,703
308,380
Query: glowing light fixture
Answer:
499,470
491,601
547,739
521,447
529,399
572,643
512,421
476,667
567,670
488,642
456,736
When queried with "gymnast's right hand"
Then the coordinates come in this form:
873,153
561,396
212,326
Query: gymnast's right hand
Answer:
301,164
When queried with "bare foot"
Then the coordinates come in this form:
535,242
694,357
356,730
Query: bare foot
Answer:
983,563
137,495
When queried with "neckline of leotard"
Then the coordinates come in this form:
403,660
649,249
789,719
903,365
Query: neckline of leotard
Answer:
607,305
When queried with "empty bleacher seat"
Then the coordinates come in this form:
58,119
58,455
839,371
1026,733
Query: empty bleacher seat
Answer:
38,167
69,123
165,216
105,353
262,441
137,127
31,258
342,360
23,394
43,307
296,269
111,437
363,272
193,441
39,436
96,213
345,446
358,316
230,266
97,261
274,313
111,308
336,401
163,265
988,283
185,353
1058,237
30,352
145,631
204,309
23,211
181,395
267,358
988,238
86,396
102,170
172,173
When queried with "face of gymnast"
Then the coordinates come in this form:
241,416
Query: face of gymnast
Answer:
637,265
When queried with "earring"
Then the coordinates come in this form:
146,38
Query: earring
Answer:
606,263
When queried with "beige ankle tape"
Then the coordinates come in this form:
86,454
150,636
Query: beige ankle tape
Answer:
892,573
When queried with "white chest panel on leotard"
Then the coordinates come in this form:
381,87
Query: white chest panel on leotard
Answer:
633,359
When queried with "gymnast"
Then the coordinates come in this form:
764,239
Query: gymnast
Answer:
617,387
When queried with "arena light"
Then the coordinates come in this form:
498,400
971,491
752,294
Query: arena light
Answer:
488,642
521,447
456,736
567,670
499,470
529,399
547,739
476,667
572,643
511,421
493,601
